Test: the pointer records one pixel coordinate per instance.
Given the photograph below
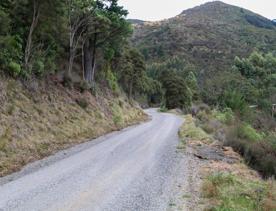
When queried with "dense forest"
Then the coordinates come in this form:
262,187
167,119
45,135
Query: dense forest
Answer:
84,41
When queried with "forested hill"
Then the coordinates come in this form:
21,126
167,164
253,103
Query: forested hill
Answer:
136,21
222,58
208,36
66,75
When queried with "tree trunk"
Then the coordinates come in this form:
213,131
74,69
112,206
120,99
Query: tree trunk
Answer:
36,13
130,89
87,60
94,59
71,61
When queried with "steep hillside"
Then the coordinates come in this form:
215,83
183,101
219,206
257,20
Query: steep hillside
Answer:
208,36
38,119
135,21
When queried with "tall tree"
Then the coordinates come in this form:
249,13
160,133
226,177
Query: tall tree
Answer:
79,15
35,18
107,28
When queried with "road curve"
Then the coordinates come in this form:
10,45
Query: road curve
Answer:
128,170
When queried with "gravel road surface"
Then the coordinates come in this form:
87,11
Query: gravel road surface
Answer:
134,169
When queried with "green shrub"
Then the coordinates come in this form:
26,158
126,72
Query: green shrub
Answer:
260,155
234,100
246,131
189,130
10,55
163,109
117,115
226,116
177,93
38,67
14,69
112,81
271,138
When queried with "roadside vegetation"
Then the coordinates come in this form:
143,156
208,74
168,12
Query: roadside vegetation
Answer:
68,74
256,146
36,124
226,191
242,116
227,184
199,62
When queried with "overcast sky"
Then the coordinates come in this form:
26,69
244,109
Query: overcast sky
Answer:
151,10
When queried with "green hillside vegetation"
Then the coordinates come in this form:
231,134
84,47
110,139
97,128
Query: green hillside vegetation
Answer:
84,41
65,67
225,57
208,36
206,40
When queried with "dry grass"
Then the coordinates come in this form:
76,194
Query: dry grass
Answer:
189,132
226,191
35,124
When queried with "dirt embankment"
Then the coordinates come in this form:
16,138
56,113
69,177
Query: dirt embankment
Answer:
42,118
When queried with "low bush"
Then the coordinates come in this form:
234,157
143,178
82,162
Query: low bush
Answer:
257,148
260,155
163,109
234,100
112,81
246,131
14,69
38,67
226,116
117,115
190,130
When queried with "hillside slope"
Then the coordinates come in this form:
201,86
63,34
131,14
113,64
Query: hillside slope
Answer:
39,118
208,36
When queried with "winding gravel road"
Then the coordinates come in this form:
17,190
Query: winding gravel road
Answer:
133,169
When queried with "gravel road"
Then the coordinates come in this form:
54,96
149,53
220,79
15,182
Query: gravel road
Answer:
134,169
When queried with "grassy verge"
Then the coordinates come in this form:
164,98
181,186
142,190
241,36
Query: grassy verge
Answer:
189,132
39,122
228,184
255,144
226,191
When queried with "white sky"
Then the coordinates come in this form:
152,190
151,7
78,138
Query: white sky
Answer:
152,10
